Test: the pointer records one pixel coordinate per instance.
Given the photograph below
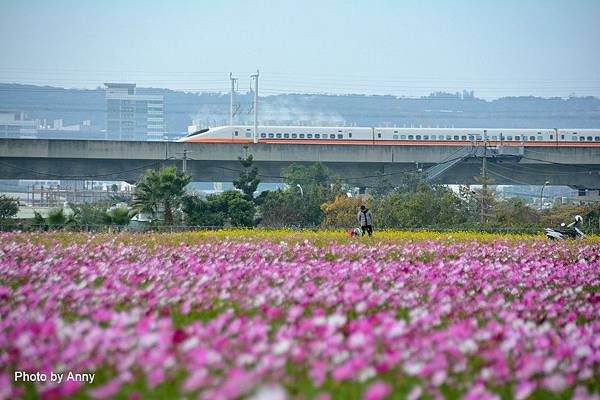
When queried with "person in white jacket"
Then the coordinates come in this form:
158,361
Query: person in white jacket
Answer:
365,219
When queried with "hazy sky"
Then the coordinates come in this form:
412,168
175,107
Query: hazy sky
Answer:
496,48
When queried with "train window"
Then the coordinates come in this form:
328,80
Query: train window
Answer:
339,131
379,135
589,138
302,136
525,138
349,134
271,135
574,138
494,137
309,135
294,136
471,137
248,129
286,135
278,136
517,137
425,137
539,133
551,136
433,137
402,137
455,137
317,135
263,135
562,137
418,137
463,138
395,131
531,137
597,139
248,134
395,137
410,137
581,138
509,138
235,133
340,136
332,136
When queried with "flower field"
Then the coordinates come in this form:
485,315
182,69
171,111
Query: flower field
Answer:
299,315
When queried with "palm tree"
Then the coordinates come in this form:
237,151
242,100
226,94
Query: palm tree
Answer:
160,189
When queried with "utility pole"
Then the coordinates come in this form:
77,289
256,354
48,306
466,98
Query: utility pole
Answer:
484,177
232,97
184,166
255,133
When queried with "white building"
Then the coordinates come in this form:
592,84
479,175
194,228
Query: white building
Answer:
131,116
14,124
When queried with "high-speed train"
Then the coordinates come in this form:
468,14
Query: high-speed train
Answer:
396,136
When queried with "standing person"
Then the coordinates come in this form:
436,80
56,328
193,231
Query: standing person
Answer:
365,219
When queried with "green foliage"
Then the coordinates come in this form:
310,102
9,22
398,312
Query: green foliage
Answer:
248,180
57,217
428,206
8,207
241,212
319,186
160,190
89,214
282,208
119,216
513,213
217,209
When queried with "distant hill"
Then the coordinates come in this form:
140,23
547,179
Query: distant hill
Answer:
439,109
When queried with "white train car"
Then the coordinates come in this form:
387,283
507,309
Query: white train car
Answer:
396,136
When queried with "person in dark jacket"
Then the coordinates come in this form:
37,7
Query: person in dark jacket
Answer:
365,220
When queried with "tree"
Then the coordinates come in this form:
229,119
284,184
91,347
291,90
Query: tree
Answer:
248,180
118,215
341,212
382,186
9,207
57,217
513,213
282,208
163,189
428,206
217,208
319,186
